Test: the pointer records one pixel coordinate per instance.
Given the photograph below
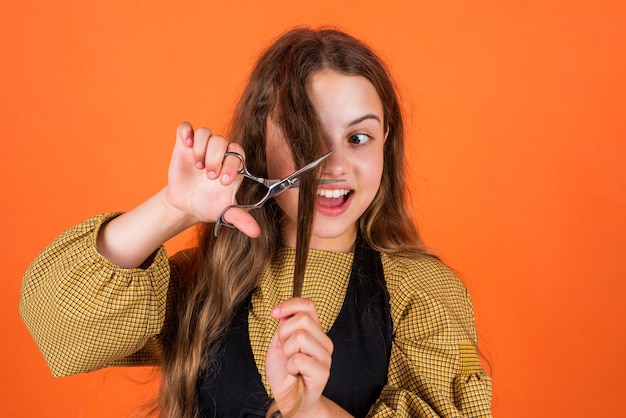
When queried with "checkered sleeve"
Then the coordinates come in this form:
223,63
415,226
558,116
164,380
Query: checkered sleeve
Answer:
85,313
434,370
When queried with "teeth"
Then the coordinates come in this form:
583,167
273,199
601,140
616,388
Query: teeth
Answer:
332,193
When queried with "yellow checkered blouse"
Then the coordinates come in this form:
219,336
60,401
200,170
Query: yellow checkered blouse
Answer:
85,313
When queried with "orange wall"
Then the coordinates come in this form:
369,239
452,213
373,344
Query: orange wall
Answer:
516,109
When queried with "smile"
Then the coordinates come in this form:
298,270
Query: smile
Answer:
332,194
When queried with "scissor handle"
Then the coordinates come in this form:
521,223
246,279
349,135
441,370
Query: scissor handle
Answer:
221,221
244,169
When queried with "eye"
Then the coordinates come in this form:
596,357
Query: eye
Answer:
359,139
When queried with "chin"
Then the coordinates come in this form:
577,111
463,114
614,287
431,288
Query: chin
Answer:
337,237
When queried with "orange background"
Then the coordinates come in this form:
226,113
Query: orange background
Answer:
517,116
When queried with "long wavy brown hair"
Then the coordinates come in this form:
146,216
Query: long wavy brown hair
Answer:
225,269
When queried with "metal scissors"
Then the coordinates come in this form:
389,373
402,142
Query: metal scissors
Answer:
274,186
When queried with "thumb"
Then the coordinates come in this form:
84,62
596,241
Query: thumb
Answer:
241,220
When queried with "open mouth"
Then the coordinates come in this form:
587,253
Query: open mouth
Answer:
332,198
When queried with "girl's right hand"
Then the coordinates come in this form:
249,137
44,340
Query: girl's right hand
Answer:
201,182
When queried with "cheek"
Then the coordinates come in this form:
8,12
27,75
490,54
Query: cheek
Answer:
288,202
371,171
279,166
279,161
278,155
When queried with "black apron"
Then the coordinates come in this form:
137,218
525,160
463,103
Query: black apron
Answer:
361,336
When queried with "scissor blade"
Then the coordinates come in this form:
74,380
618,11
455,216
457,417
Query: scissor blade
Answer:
309,167
296,184
292,180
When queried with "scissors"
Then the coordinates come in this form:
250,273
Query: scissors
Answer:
274,186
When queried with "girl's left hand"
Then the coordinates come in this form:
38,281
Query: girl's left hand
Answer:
300,347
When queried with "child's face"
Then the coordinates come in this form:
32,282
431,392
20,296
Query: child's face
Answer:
351,113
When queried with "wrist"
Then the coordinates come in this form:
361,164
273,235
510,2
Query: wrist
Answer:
173,217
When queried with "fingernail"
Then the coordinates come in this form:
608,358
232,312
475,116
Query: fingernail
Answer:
199,164
276,311
211,174
225,178
188,141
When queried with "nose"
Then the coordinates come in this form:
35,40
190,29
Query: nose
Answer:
336,164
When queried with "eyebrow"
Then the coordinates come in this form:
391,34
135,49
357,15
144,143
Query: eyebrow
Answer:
362,118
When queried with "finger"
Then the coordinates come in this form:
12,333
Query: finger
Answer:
301,333
313,372
293,306
243,221
231,165
200,142
320,347
214,155
184,133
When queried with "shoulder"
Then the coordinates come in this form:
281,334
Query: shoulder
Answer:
409,272
426,294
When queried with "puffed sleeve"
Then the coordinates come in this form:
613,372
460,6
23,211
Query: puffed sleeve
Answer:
85,313
434,369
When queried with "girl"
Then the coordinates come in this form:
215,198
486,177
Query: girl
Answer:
381,328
